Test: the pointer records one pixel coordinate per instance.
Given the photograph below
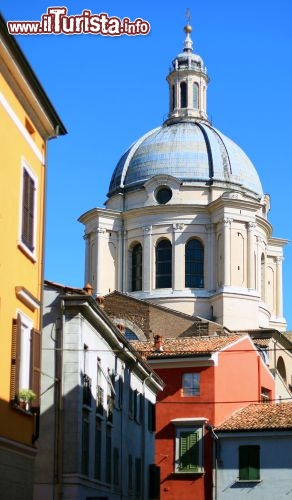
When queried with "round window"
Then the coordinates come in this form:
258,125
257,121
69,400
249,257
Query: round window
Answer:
163,195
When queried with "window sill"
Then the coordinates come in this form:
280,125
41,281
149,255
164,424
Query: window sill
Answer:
254,481
193,472
19,408
31,255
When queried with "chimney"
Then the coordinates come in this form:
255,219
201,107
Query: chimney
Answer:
121,328
158,341
88,289
100,301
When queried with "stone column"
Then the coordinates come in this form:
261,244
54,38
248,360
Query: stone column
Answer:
120,263
227,251
250,255
178,258
209,257
279,288
99,232
147,259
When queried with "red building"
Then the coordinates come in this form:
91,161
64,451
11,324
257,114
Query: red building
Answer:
206,379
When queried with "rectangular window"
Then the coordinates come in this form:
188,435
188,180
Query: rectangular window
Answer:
188,450
98,446
138,473
151,417
131,402
265,395
191,384
116,468
28,208
130,473
249,463
108,455
85,443
25,358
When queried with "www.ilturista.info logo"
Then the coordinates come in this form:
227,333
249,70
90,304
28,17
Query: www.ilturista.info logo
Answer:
56,21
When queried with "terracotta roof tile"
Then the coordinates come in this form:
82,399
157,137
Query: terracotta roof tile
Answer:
187,346
259,416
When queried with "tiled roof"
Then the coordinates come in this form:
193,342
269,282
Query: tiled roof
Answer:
262,342
259,416
187,346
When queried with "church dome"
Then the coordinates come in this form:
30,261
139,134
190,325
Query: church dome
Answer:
192,151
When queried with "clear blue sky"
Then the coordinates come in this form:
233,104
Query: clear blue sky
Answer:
109,91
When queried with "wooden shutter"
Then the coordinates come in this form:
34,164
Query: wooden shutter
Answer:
189,450
15,358
35,365
28,210
249,463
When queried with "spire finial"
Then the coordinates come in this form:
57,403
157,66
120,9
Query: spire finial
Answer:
188,45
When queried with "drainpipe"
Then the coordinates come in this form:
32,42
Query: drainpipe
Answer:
58,462
210,428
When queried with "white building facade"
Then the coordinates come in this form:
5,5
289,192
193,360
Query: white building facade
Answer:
186,220
97,406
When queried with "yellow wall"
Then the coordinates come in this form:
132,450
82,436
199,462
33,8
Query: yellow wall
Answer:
16,268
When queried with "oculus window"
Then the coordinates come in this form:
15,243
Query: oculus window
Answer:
163,195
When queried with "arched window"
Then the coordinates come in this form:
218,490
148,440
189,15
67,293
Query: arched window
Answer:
172,97
183,95
164,264
195,96
263,277
281,368
194,264
137,268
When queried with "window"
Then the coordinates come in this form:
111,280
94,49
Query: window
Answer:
108,455
28,209
164,264
130,473
25,358
151,417
194,264
163,195
85,443
98,445
116,469
195,96
172,97
191,384
138,474
131,402
249,463
265,395
183,95
86,390
137,268
188,450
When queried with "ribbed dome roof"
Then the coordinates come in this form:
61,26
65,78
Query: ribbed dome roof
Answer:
190,151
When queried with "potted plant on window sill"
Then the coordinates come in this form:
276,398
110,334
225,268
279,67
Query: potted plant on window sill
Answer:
25,398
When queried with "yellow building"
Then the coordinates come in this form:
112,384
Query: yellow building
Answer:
27,121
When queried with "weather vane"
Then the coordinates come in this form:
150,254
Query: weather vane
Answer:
188,15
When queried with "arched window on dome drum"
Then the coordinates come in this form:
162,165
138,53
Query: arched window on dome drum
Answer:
164,264
282,368
137,268
183,95
195,96
172,97
194,264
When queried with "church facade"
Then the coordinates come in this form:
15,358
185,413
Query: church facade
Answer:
186,220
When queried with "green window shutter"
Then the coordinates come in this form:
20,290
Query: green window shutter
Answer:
189,450
249,463
28,210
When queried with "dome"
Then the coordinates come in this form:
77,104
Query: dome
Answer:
191,151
